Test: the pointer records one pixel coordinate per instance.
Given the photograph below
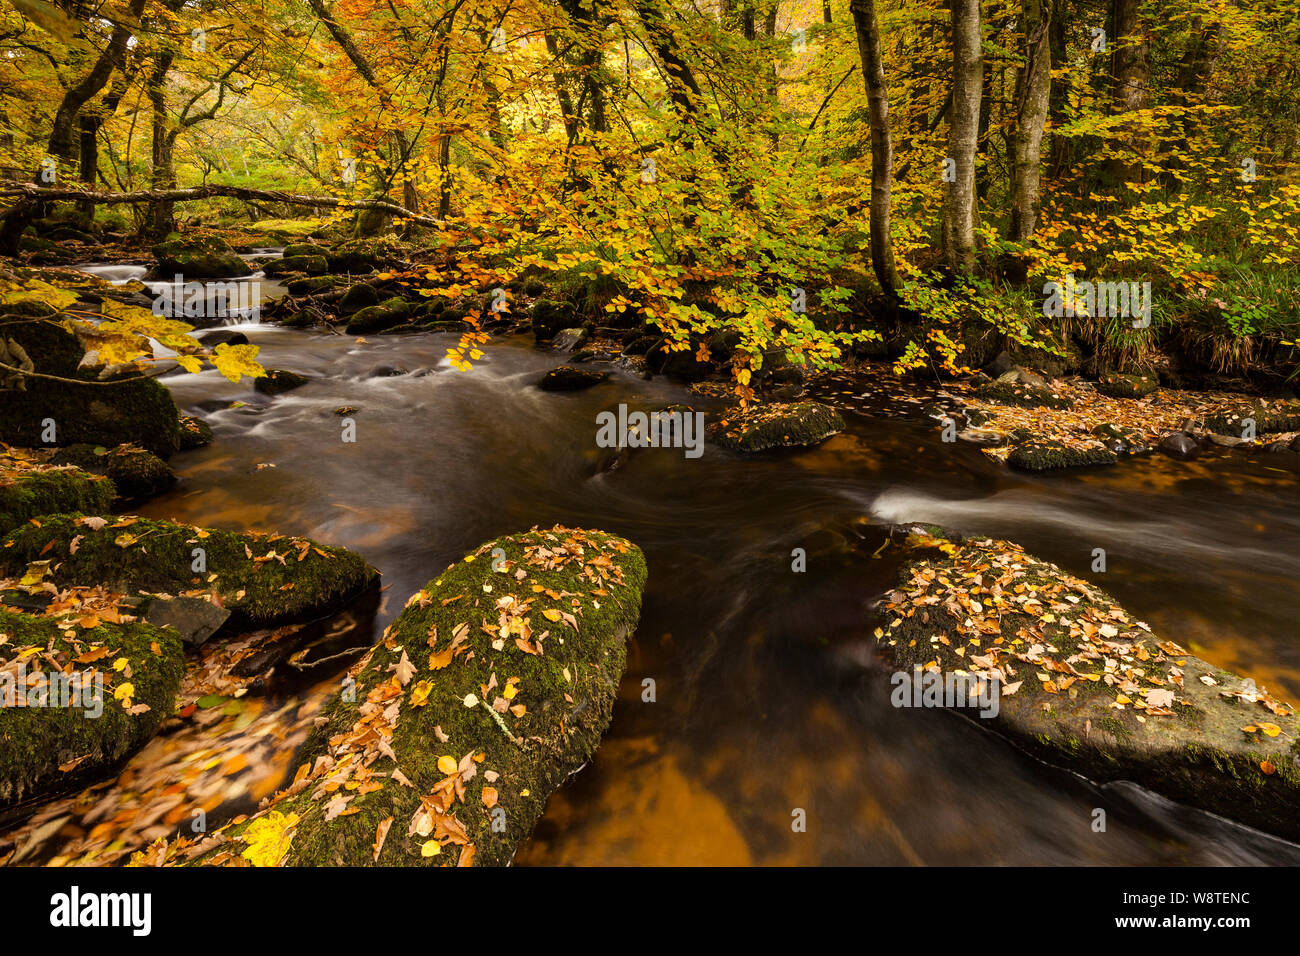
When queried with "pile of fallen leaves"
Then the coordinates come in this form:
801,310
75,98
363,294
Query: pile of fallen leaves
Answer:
989,609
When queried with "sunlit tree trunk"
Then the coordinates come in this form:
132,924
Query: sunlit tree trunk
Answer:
963,136
882,149
1033,92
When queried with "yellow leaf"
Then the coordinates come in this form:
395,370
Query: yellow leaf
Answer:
268,838
447,764
233,361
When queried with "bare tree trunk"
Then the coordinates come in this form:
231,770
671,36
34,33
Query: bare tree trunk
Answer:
1033,93
1130,77
882,146
164,173
963,136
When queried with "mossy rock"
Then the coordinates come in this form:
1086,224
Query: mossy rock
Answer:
195,433
1119,385
358,297
258,577
1022,395
204,257
135,473
297,249
53,349
1039,455
73,735
1269,418
47,490
379,318
425,746
777,425
1083,684
312,285
312,265
549,317
366,254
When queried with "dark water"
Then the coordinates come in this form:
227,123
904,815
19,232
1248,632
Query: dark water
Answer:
769,697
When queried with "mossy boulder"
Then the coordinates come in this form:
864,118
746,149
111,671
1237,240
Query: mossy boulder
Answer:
277,381
82,713
358,297
379,318
262,579
1022,395
1119,385
491,688
297,249
311,286
777,425
1269,417
312,265
195,433
1067,674
549,317
42,490
204,257
1044,455
125,410
366,254
135,473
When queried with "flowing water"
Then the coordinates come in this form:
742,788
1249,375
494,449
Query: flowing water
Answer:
768,694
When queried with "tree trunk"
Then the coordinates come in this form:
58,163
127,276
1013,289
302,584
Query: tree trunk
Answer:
882,147
163,217
1033,93
963,136
1130,79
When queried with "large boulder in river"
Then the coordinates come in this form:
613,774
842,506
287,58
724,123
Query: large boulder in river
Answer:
128,408
92,693
1059,668
34,490
312,265
204,257
379,318
264,580
491,688
776,425
566,378
135,473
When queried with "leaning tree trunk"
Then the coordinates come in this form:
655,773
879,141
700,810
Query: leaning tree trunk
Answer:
963,136
1033,88
882,146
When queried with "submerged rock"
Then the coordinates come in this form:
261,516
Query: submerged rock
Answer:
82,712
1073,678
195,433
277,381
263,580
777,426
33,492
566,378
206,257
1117,385
1039,455
491,688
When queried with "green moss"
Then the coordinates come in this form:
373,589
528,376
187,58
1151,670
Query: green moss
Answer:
312,265
379,318
777,426
1117,385
567,690
159,556
1022,396
88,734
194,432
135,473
198,257
1049,455
28,494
